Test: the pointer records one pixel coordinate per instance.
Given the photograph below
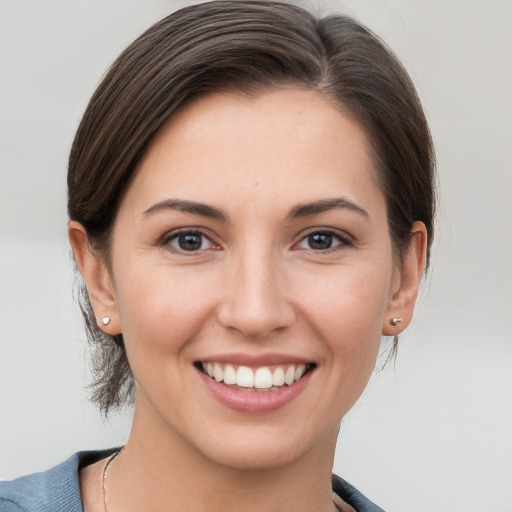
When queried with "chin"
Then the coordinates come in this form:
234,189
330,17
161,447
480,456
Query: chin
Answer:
254,456
262,449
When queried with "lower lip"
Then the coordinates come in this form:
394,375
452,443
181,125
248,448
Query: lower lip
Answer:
255,402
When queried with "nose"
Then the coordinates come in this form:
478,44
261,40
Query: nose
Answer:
255,302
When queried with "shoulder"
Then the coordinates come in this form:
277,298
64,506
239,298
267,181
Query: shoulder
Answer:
54,490
352,496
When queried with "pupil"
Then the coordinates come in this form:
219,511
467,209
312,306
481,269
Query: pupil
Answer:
190,242
320,241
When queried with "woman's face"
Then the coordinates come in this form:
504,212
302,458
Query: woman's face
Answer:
252,243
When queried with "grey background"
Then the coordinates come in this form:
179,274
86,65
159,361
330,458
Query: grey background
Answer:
432,433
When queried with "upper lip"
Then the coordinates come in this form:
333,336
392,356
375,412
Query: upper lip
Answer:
255,360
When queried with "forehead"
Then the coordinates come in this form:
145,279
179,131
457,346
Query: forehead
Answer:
279,144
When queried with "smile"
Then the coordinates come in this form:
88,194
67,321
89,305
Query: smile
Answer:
261,379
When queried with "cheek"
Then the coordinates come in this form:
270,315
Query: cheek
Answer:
161,308
355,298
343,309
347,308
160,312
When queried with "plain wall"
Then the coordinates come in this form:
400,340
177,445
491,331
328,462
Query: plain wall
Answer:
433,432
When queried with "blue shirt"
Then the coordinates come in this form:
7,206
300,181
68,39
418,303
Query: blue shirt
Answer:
58,488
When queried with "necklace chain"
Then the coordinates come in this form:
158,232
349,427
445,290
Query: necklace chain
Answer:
105,474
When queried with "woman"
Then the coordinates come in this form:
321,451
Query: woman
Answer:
250,202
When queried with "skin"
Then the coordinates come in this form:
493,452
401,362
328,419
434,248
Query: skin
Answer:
256,286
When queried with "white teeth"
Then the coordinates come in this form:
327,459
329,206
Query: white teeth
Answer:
289,376
260,379
299,372
244,377
218,374
263,378
278,377
229,375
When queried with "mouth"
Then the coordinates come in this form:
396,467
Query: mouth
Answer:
258,379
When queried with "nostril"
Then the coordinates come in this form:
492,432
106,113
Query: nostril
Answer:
254,321
254,302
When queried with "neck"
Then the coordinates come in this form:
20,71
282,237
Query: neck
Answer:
159,470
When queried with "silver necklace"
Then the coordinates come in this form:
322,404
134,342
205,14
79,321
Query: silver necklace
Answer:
105,473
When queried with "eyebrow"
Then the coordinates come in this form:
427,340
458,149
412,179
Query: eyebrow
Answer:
301,210
188,207
316,207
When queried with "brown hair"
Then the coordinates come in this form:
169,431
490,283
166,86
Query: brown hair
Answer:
244,46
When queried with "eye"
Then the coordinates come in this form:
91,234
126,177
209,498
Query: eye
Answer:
322,241
189,241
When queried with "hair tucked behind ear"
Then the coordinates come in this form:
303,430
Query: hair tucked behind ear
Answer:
108,361
245,46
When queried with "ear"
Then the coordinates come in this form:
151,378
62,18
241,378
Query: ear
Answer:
410,271
97,279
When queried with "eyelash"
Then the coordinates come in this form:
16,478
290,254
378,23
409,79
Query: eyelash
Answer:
343,239
175,235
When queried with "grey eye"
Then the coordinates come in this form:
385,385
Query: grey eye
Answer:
189,241
320,241
323,241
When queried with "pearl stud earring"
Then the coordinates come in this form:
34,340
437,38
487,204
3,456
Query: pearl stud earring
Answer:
395,321
105,320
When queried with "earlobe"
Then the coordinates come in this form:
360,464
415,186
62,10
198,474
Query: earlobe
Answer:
97,279
401,305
